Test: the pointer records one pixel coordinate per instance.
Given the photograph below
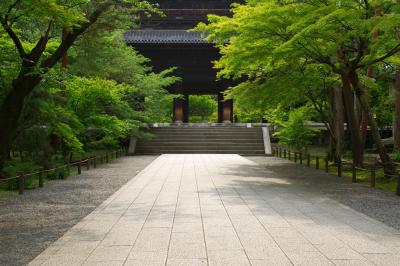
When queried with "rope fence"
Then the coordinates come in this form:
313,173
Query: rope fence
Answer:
88,162
299,157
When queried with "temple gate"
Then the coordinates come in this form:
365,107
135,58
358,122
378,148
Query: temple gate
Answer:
167,43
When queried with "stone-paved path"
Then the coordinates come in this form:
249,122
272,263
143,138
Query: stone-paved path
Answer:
221,210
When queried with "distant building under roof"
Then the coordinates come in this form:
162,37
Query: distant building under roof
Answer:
166,41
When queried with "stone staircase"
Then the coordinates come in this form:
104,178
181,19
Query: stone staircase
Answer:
203,140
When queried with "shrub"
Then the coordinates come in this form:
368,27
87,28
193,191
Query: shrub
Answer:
13,168
296,132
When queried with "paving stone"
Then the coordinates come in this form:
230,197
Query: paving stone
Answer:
221,210
228,258
384,259
109,253
187,262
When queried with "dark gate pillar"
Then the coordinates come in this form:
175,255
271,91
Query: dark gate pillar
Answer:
181,110
225,110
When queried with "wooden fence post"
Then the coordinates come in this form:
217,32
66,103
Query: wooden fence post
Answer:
317,162
57,173
354,173
301,157
295,157
290,155
95,162
284,153
308,160
21,183
88,164
373,176
326,165
79,168
40,175
339,170
398,185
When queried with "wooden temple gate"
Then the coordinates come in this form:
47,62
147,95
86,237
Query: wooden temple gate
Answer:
167,43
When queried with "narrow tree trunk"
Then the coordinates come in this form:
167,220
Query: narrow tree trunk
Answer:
352,121
332,140
338,112
396,124
389,167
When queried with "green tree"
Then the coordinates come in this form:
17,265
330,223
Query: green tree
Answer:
202,108
264,36
34,28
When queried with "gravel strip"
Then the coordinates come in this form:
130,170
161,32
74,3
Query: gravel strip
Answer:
31,222
378,204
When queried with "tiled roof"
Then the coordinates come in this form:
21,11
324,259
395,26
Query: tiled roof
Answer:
163,37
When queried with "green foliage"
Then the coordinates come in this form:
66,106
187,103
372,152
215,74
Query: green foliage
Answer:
397,156
105,95
202,108
15,168
295,132
99,104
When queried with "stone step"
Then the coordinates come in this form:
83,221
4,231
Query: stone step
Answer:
177,135
157,151
230,140
246,141
201,141
208,147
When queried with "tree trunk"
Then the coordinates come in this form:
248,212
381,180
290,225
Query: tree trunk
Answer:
396,124
11,110
352,121
389,167
338,114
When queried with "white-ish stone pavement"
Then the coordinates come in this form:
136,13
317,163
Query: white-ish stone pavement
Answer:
221,210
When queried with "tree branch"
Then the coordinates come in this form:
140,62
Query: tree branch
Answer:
10,8
392,52
73,35
40,46
14,38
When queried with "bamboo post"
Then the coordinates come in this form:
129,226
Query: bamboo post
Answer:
280,152
308,160
301,157
354,173
339,170
21,183
317,162
40,175
88,164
